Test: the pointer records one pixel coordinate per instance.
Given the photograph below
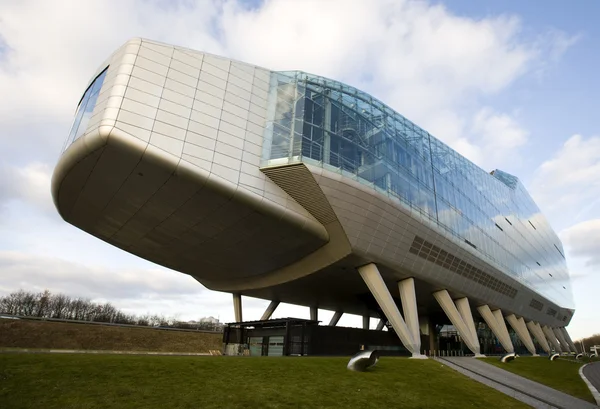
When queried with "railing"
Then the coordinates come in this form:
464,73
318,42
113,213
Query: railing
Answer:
111,324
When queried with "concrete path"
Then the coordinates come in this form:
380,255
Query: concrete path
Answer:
592,374
523,389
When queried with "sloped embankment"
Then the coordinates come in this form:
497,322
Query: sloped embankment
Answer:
59,335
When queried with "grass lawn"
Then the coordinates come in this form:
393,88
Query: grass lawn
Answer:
102,381
560,374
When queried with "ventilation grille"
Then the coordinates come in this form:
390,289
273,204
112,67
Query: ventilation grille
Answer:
433,253
536,304
551,312
298,182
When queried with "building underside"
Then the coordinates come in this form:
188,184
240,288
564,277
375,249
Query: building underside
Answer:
297,189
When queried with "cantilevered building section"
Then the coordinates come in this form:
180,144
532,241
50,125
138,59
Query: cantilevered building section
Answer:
295,188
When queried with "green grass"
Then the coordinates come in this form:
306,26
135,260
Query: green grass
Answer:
102,381
560,374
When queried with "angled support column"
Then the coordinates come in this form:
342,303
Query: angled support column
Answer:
563,342
462,304
495,321
366,322
371,276
380,325
457,319
335,319
408,298
269,311
237,307
551,338
314,313
568,339
518,324
537,332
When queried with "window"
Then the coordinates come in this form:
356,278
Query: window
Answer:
470,244
85,109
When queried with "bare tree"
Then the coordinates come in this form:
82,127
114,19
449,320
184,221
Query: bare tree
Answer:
61,306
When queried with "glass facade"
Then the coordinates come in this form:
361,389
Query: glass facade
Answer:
85,109
329,124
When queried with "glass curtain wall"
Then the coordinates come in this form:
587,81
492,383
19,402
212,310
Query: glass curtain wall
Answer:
329,124
84,110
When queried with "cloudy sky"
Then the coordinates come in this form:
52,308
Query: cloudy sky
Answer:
510,85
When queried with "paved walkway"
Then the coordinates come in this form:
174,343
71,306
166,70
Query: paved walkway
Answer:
523,389
592,373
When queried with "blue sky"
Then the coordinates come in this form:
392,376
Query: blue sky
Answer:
511,85
565,100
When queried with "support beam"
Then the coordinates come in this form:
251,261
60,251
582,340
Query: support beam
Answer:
237,307
314,313
409,307
452,312
269,311
537,332
462,304
568,339
563,342
371,276
551,338
518,324
495,321
380,325
366,321
335,319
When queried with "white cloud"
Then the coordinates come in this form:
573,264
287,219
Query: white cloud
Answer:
499,133
137,290
569,183
583,241
30,183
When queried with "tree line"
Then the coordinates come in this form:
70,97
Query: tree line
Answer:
60,306
588,342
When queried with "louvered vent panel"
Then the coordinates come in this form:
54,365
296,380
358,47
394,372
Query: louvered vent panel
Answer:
442,258
536,304
298,182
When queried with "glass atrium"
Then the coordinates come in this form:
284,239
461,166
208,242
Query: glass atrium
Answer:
332,125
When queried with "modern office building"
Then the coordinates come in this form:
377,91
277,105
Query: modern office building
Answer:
294,188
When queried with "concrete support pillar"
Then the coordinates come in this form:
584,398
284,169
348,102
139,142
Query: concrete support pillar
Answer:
551,338
371,276
458,320
409,307
237,307
563,342
537,332
269,311
462,304
518,324
314,313
495,321
335,319
568,339
366,321
380,325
